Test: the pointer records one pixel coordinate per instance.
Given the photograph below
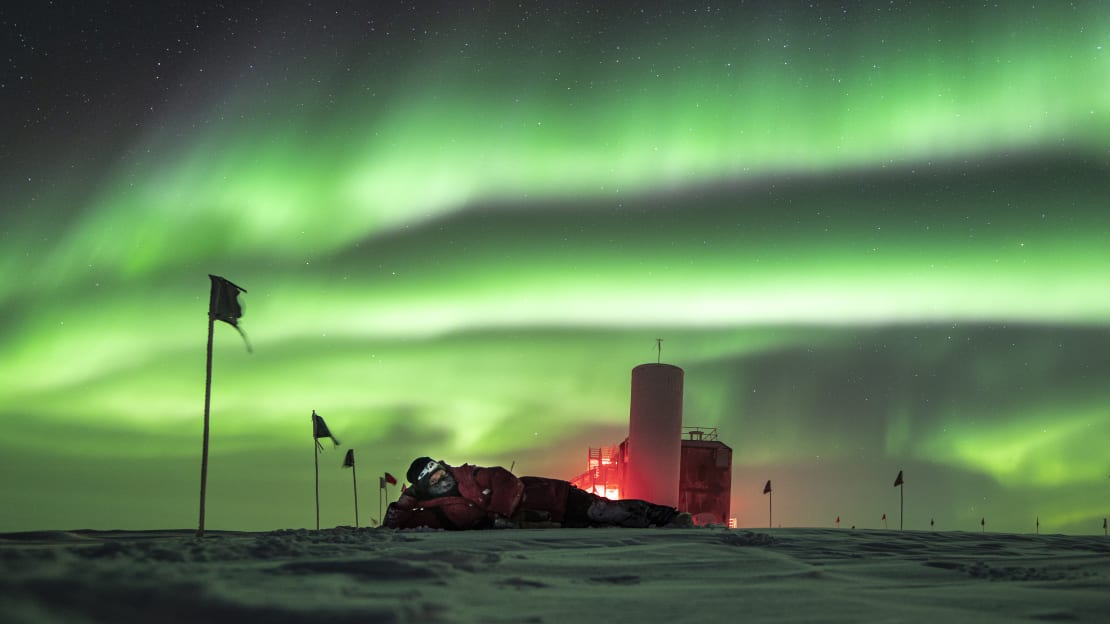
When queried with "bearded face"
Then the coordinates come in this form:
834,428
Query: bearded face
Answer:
441,483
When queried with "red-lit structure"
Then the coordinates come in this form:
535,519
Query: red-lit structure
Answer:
651,456
661,461
705,480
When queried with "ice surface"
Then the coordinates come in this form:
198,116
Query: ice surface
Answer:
553,575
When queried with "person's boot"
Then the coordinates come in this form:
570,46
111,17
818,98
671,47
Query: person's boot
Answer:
682,521
660,515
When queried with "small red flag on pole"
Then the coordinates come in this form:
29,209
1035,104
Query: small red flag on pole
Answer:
384,482
884,521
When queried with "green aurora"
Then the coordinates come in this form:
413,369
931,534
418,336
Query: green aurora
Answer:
875,239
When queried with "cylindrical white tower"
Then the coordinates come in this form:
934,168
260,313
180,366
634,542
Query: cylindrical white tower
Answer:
655,434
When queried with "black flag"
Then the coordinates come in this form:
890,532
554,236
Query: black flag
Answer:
767,488
898,479
320,430
349,460
223,304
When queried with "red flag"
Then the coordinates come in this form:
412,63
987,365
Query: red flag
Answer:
898,480
884,516
767,488
390,479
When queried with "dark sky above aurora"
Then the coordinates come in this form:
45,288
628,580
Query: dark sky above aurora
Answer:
873,235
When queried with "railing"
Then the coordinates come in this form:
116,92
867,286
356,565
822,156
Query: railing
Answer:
700,433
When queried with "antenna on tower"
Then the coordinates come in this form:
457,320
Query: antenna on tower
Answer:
658,350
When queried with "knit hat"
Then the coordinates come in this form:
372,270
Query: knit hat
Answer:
417,466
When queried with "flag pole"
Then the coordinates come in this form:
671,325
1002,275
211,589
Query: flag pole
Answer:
354,482
349,462
223,305
899,483
316,461
207,404
767,491
381,496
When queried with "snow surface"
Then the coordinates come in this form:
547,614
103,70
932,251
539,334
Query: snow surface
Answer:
553,575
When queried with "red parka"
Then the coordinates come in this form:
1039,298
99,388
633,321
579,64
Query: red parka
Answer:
485,494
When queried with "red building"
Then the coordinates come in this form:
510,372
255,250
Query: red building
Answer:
704,476
660,461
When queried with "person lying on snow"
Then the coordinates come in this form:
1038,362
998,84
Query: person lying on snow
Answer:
474,497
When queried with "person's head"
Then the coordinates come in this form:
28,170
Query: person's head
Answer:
417,468
430,477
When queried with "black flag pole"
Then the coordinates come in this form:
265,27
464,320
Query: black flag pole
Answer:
316,462
349,462
223,305
207,404
901,485
767,491
319,430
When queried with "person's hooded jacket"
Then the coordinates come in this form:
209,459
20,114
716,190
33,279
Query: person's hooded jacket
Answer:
488,497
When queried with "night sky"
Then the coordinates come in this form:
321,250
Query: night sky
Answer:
875,236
